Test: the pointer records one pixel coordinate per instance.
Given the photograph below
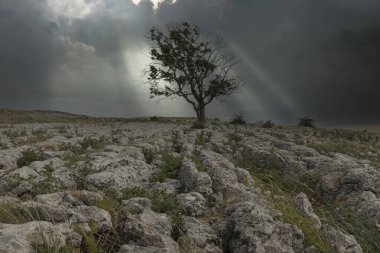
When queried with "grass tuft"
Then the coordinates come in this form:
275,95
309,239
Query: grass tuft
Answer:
170,169
28,156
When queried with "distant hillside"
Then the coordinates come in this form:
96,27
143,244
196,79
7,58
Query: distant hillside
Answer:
9,116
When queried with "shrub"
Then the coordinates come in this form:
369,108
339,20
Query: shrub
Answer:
198,125
83,171
72,158
268,124
28,156
170,169
238,119
149,155
93,143
199,164
133,192
202,139
50,184
154,118
306,122
210,201
89,241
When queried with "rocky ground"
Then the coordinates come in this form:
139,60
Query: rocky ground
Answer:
165,187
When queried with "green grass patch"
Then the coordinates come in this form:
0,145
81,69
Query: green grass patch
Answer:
72,158
170,168
352,149
337,215
13,213
273,180
50,184
366,233
199,164
83,171
94,143
161,203
28,156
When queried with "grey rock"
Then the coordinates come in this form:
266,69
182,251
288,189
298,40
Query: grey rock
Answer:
201,237
169,186
304,205
139,249
136,204
19,237
192,180
221,172
311,249
252,228
62,208
150,229
118,174
330,185
193,202
243,176
342,242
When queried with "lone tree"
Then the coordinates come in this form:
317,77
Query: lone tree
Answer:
191,66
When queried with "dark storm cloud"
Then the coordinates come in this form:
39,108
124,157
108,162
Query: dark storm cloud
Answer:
29,50
322,55
297,57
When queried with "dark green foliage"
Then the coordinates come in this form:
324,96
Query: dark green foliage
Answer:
93,143
50,184
339,215
11,213
203,138
362,136
306,122
39,132
154,118
168,203
170,169
133,192
84,170
268,124
176,143
72,158
192,67
149,155
161,203
234,137
198,125
30,155
88,242
366,234
238,119
199,164
210,201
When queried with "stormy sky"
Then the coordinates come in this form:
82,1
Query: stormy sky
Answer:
319,58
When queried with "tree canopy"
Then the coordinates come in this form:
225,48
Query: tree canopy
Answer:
185,63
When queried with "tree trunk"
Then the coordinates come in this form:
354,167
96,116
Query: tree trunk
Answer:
202,113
